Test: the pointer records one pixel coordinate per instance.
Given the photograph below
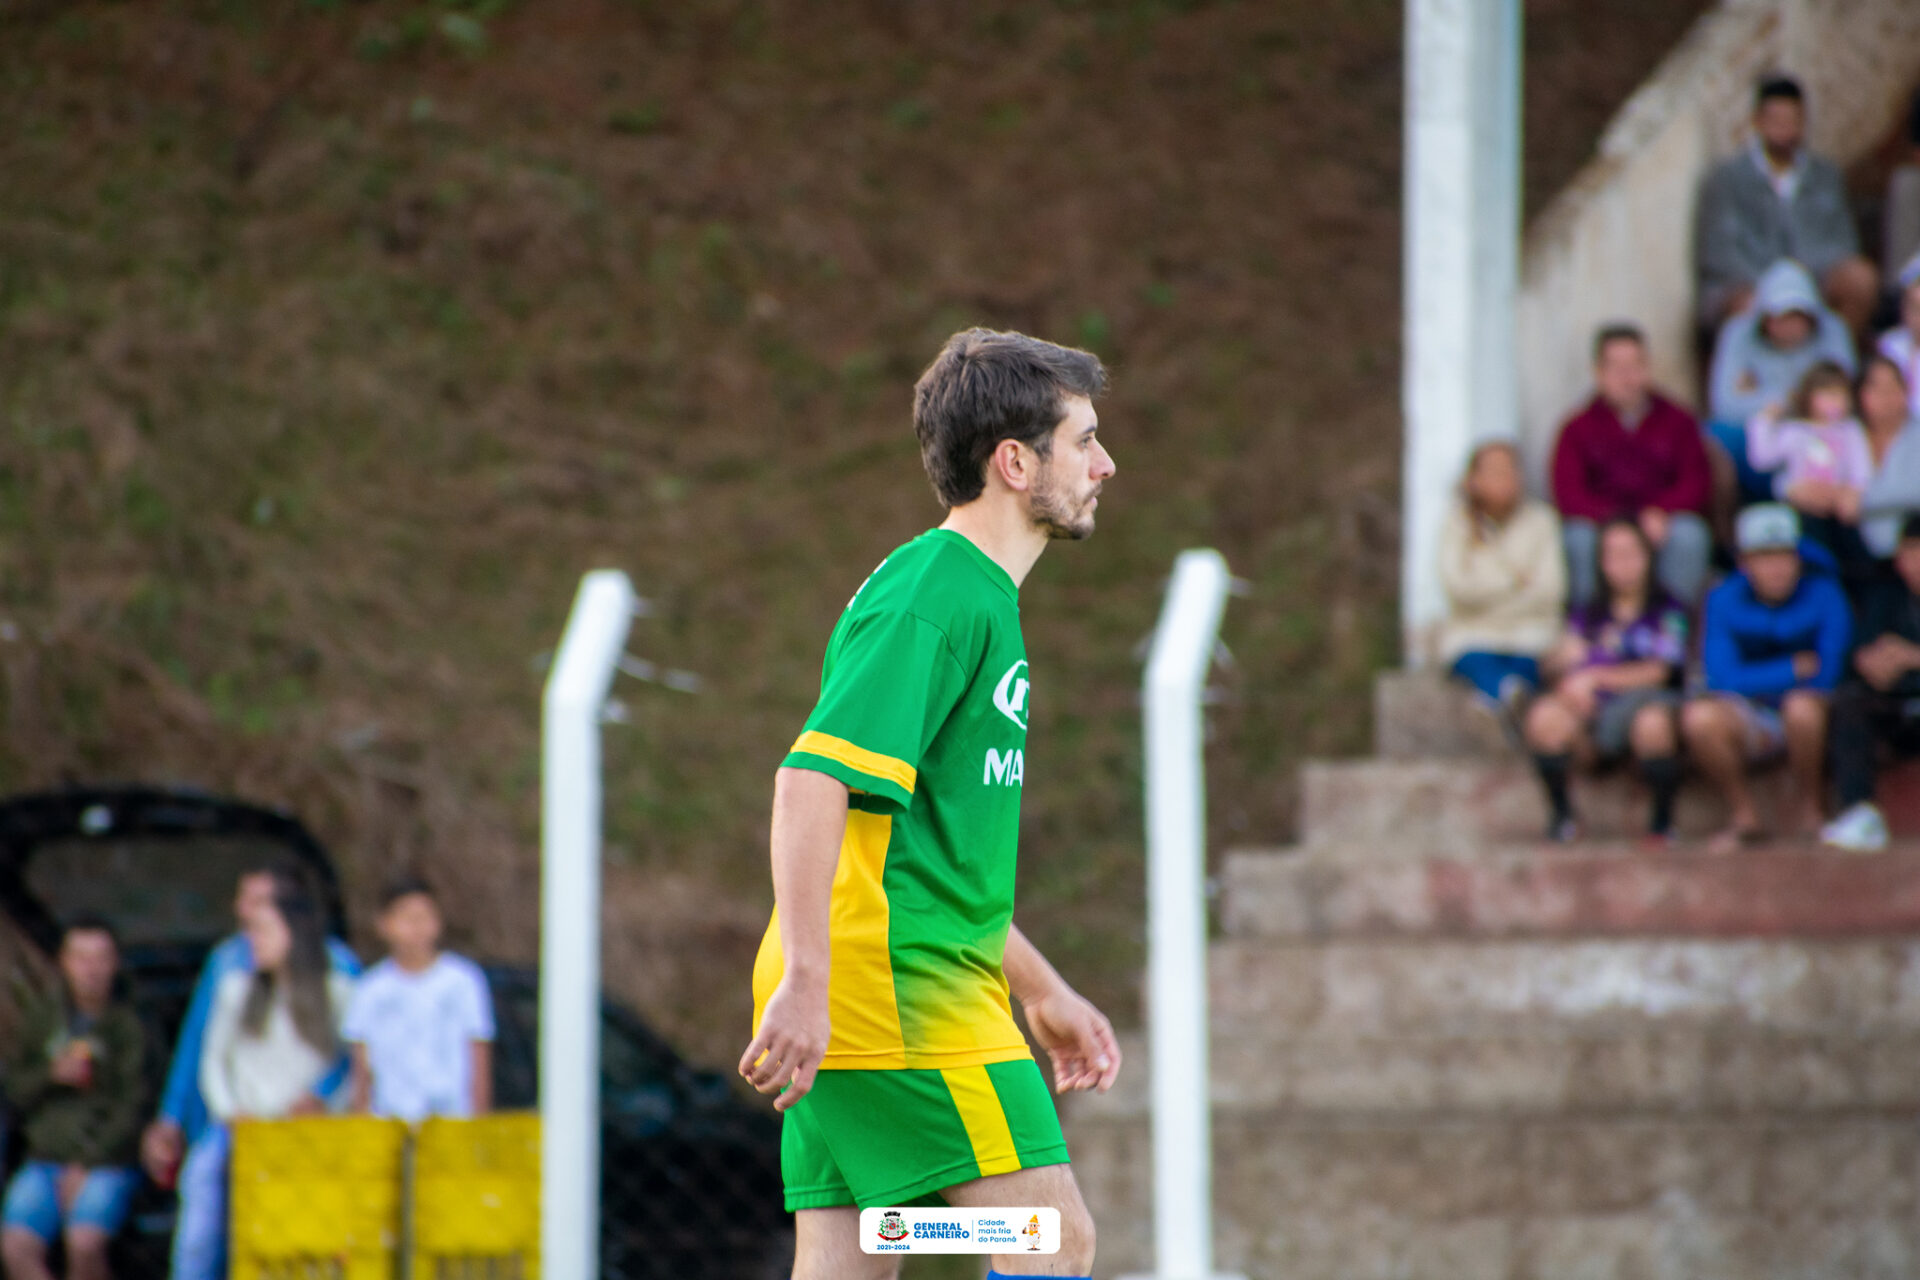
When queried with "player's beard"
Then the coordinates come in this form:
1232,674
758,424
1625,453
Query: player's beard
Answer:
1054,511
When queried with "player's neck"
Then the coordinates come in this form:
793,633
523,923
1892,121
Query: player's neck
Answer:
998,525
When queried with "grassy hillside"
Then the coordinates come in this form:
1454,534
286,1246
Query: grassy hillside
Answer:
338,338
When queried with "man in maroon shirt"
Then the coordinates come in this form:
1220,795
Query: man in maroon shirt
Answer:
1632,452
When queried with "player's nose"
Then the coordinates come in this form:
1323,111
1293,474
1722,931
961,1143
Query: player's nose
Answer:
1103,464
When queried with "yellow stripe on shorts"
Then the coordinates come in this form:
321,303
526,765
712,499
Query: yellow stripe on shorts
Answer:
984,1118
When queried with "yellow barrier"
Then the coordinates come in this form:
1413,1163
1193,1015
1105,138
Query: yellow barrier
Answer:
476,1198
352,1198
317,1197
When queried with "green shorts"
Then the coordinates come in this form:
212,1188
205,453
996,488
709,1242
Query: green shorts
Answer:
889,1138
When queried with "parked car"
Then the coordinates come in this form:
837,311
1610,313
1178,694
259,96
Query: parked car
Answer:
690,1181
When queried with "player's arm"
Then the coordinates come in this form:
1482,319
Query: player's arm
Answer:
809,821
1075,1035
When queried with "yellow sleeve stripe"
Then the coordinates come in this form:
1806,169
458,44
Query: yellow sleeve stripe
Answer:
872,763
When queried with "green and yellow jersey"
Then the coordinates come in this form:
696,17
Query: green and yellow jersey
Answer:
923,714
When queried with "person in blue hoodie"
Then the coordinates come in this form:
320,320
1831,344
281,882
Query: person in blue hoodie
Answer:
1775,645
170,1144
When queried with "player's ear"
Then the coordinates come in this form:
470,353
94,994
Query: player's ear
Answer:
1013,463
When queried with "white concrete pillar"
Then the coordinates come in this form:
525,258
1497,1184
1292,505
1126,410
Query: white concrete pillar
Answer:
1462,247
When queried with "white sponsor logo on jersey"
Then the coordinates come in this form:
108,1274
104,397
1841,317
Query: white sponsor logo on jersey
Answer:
1008,768
1010,696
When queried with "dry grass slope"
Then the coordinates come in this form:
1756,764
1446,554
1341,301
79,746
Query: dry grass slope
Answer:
338,337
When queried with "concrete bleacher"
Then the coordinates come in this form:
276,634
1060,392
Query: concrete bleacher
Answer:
1443,1049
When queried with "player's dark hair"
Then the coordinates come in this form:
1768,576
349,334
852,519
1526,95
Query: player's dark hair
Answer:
1776,87
1621,331
407,887
986,386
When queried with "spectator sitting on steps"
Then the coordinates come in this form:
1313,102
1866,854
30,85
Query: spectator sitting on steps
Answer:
420,1025
1632,452
1880,701
1776,637
1901,344
1505,581
1820,458
1614,679
1773,200
1761,356
1894,492
78,1079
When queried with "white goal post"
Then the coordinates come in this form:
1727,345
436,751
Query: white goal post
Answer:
1174,741
570,800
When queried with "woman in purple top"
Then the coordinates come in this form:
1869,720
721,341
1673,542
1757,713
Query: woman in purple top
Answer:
1612,684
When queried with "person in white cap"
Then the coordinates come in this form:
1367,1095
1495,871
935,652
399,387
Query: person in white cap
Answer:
1776,638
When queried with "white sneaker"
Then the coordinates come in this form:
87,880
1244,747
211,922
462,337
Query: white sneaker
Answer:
1861,829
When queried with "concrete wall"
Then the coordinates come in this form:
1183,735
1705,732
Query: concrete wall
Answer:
1617,243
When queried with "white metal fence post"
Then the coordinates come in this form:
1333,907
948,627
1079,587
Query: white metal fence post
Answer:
576,692
1183,646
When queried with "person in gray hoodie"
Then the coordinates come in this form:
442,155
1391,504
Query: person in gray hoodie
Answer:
1762,354
1775,199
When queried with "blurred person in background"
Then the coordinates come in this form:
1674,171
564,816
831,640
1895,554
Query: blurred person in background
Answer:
272,1040
1900,216
1901,344
183,1113
1760,357
1894,492
1776,636
1775,199
1879,704
1820,458
1505,580
1632,452
420,1024
1613,684
77,1078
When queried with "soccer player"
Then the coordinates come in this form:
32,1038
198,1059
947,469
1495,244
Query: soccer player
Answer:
881,1010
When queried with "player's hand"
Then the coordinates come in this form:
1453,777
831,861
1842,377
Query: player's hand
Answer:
1077,1037
794,1031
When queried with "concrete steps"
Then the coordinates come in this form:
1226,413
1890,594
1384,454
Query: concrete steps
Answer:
1584,890
1417,808
1440,1048
1560,1199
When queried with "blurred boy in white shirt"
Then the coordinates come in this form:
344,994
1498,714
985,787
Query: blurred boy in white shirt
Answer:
420,1026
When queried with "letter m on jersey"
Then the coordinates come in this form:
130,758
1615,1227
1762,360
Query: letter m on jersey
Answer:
1006,770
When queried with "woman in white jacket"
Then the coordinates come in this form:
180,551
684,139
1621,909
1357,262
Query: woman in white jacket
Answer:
1505,578
274,1033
